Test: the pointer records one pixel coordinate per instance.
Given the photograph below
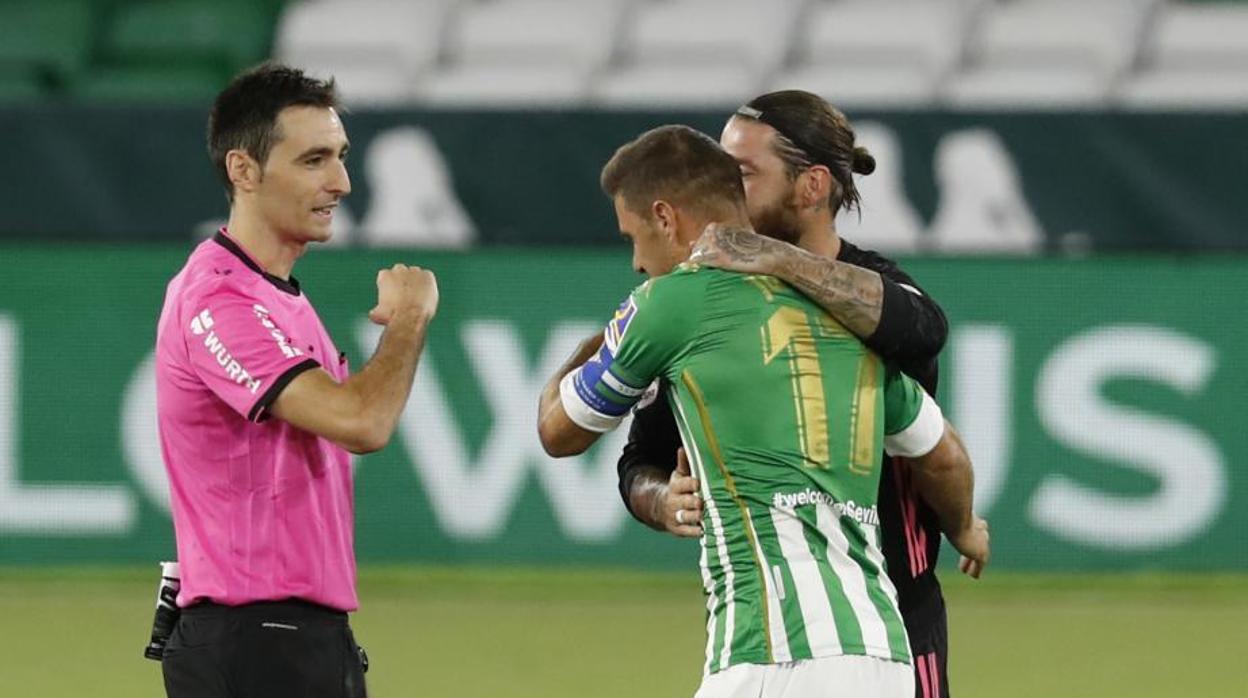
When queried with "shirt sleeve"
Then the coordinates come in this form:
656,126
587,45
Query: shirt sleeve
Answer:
240,351
652,442
913,422
646,334
913,328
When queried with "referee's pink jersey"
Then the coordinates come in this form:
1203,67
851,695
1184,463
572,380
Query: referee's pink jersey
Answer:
261,510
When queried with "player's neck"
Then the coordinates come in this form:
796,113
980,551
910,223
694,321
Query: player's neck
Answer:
819,237
275,254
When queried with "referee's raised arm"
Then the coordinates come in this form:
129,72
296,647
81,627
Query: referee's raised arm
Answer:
361,413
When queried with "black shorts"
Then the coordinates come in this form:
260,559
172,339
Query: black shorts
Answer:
273,649
929,643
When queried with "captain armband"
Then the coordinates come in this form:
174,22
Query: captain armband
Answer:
596,399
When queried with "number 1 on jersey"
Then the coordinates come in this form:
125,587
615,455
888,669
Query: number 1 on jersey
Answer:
789,328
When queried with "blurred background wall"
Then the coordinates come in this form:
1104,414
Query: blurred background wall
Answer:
1066,178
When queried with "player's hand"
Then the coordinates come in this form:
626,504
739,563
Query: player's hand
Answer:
681,505
973,544
404,288
735,249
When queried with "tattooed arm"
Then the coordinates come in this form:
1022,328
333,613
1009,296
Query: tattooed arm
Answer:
889,314
852,295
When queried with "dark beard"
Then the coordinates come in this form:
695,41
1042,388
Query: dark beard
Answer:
779,222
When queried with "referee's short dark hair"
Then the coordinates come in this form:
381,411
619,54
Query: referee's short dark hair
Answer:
676,163
244,115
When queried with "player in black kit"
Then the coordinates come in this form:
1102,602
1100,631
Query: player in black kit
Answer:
798,158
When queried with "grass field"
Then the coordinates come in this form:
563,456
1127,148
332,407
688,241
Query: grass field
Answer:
530,633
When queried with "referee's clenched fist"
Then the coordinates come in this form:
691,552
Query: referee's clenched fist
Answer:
403,289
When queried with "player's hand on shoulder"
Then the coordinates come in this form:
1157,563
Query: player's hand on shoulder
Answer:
405,288
681,505
974,545
734,248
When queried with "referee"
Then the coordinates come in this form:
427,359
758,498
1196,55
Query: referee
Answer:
257,409
798,158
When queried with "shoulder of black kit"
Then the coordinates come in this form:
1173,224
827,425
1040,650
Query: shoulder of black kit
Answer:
876,262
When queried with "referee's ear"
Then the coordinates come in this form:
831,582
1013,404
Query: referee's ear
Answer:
243,170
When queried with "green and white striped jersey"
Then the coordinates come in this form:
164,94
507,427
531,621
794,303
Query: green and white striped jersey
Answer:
783,414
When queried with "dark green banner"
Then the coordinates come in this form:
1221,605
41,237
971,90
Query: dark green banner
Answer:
1010,183
1101,400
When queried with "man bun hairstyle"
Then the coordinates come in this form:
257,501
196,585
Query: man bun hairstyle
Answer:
244,115
864,163
810,131
675,163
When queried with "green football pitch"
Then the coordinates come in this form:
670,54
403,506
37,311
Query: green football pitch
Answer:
570,632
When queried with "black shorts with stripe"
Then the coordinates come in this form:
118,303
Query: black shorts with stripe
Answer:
911,544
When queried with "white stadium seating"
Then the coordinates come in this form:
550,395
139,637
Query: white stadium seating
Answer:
376,48
1197,57
862,54
696,52
523,53
1048,54
876,54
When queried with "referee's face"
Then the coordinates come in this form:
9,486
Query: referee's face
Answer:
305,175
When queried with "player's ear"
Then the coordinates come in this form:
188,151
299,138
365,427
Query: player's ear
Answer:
815,185
664,215
243,170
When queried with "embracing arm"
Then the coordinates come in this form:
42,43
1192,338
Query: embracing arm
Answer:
890,315
655,478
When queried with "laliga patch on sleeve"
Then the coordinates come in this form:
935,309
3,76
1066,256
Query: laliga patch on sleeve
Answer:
649,396
619,324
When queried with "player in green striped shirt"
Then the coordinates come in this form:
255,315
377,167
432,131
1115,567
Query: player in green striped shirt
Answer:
783,414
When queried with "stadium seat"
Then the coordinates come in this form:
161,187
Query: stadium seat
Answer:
745,32
523,53
369,85
1100,36
543,32
152,85
1175,90
351,38
1187,37
676,86
523,86
52,37
862,86
226,36
1196,57
865,53
1027,88
920,35
1047,54
697,52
